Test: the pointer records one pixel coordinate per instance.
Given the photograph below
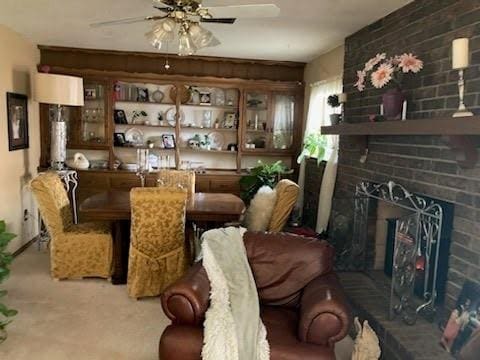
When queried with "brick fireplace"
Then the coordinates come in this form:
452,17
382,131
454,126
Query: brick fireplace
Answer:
423,164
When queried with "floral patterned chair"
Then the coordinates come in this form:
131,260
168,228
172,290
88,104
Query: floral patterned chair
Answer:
287,195
76,251
177,178
157,255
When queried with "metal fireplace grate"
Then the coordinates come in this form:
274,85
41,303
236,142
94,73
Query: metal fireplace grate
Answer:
416,251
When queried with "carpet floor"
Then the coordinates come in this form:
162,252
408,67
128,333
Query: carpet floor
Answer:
86,319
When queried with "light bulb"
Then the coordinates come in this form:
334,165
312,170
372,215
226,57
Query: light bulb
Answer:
186,46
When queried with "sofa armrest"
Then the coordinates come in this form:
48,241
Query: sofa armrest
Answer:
186,301
325,315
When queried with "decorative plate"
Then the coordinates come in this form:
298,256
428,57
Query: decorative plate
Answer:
170,116
134,136
184,92
216,140
157,96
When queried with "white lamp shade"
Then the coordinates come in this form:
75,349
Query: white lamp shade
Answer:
58,89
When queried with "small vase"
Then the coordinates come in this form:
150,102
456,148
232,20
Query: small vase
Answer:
392,104
335,119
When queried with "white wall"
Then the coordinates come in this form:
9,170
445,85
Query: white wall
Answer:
18,60
324,67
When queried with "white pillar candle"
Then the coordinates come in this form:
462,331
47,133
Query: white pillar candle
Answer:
342,98
460,53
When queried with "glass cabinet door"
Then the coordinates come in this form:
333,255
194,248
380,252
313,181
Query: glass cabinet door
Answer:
257,124
283,121
92,127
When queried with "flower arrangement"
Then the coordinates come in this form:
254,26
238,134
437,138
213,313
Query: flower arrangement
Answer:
386,69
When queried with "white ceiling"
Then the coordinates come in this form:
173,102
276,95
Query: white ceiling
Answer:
304,29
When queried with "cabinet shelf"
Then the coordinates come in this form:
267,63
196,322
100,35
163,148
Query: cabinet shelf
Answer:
208,129
208,151
148,126
143,147
143,102
214,107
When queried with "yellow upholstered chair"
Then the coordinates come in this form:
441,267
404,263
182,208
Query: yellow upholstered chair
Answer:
76,251
184,179
157,248
287,195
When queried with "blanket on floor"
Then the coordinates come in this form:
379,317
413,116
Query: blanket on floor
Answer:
233,328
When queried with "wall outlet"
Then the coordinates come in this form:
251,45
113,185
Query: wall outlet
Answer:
25,215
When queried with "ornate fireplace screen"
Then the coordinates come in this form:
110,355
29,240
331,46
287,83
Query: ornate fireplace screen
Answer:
417,244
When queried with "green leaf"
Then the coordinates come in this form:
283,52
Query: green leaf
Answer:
3,226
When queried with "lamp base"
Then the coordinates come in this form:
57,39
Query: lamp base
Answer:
463,113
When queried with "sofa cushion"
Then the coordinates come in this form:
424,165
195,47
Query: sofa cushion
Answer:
283,264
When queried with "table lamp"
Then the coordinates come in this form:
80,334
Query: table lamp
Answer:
461,61
58,90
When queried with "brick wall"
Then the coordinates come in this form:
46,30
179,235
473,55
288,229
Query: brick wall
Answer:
424,164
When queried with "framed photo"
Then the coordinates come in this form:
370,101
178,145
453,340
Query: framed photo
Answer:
17,117
90,93
119,117
464,320
230,120
205,98
168,141
142,94
119,139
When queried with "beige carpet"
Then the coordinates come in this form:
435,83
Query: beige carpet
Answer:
82,320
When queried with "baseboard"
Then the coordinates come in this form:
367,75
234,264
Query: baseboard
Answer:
24,247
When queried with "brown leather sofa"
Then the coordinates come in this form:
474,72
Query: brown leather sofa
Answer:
302,303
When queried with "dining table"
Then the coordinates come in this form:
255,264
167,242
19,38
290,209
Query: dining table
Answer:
209,209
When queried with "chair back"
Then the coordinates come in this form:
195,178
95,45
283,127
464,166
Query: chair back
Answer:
183,179
157,248
287,194
53,202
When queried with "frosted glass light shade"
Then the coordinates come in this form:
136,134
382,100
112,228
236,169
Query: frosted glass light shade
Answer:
202,37
58,89
186,46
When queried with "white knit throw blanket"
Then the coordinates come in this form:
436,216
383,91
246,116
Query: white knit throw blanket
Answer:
233,328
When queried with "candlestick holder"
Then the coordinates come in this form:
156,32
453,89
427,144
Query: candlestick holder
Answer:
462,109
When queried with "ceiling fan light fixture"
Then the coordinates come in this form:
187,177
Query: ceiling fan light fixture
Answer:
202,37
154,40
168,24
186,46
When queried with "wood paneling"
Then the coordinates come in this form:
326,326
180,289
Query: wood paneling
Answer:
153,63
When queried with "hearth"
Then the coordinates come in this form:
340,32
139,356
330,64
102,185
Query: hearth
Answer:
407,236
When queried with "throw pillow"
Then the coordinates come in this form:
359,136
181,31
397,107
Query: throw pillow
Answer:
259,213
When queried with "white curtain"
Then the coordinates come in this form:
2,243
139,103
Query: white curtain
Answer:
283,122
319,115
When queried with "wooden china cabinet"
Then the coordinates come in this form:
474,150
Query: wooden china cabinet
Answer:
241,120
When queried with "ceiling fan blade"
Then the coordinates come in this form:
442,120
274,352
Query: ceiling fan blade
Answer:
219,21
126,21
244,11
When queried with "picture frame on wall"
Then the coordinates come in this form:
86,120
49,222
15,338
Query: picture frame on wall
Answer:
119,139
142,94
90,93
168,141
119,116
17,118
230,120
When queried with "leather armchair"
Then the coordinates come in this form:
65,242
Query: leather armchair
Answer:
302,303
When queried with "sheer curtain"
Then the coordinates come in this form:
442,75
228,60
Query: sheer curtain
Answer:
318,115
283,121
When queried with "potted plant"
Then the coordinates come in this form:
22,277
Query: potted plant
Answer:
313,147
5,260
334,103
138,114
263,174
383,70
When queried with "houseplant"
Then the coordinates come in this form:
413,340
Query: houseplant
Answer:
263,174
313,147
383,70
333,101
5,260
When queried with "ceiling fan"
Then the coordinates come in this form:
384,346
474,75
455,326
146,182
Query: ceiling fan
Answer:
183,17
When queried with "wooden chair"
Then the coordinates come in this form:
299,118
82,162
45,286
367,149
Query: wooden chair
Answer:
184,179
76,251
157,249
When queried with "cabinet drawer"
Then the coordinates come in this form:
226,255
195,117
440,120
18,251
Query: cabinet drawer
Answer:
231,186
202,185
124,182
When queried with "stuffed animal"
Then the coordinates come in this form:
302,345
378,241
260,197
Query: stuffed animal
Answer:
79,162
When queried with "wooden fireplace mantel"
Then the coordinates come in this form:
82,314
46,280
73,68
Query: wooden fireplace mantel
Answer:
463,133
